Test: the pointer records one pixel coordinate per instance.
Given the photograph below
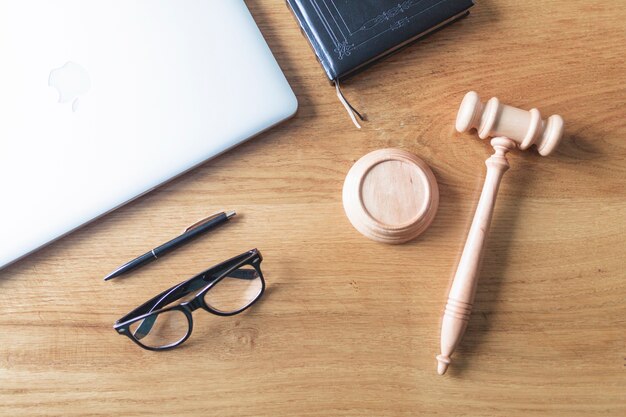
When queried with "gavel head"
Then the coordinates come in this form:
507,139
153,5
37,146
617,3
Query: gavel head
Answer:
525,128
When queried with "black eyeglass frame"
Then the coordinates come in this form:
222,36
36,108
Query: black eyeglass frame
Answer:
204,281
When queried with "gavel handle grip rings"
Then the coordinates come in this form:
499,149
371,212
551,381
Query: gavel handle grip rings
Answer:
463,291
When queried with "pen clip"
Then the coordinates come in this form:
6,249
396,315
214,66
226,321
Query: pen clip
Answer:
201,222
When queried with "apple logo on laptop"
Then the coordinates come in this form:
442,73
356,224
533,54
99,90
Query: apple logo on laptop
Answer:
71,81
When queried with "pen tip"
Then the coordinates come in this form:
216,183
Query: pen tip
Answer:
112,275
231,214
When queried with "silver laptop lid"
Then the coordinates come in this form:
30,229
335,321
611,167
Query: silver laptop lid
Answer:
101,101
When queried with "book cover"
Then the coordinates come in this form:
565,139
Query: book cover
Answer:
349,34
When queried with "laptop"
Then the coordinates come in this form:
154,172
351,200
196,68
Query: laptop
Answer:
102,101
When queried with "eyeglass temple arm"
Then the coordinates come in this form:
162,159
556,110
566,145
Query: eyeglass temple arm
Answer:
182,290
146,325
198,283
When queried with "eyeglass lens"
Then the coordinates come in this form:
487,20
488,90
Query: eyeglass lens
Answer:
235,291
162,329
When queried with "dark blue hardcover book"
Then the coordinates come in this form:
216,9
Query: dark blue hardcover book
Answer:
346,35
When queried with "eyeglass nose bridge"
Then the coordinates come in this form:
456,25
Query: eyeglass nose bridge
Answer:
194,304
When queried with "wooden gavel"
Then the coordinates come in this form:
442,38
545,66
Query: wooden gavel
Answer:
511,128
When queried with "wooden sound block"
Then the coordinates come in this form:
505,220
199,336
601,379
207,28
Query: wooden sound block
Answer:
391,196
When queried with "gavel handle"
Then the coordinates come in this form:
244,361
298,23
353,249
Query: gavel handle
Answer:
461,296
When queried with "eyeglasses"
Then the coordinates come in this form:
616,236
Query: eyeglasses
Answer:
225,290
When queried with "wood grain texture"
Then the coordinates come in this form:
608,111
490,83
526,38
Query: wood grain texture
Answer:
349,327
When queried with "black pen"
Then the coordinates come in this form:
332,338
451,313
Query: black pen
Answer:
192,232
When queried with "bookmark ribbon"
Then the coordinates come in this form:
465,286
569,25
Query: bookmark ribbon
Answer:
352,112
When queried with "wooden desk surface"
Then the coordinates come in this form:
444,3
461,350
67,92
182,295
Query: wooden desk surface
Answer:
349,327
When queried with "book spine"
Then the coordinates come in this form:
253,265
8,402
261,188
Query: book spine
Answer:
312,36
